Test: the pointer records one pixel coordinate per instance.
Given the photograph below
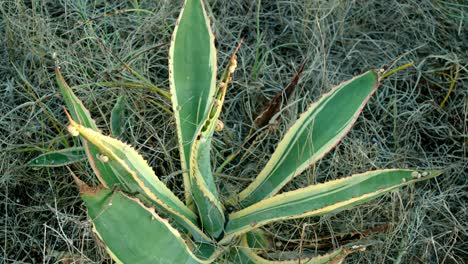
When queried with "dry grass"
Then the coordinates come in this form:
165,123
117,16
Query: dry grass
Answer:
42,217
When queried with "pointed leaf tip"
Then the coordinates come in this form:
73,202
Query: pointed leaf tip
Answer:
323,198
318,130
82,186
192,74
58,158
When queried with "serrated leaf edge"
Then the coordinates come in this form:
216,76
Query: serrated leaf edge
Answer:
156,217
285,196
86,131
74,100
279,151
175,103
335,257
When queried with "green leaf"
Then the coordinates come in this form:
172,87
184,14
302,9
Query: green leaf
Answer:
315,133
208,251
79,113
117,116
136,176
204,189
257,240
192,77
246,254
133,233
322,198
58,158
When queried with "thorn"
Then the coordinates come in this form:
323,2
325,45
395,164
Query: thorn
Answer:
67,114
82,186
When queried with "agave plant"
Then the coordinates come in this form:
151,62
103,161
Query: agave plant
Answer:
139,220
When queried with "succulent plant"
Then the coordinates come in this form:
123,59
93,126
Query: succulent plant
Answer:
138,218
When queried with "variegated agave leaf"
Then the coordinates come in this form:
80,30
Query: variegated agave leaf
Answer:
319,199
192,78
314,134
132,232
204,188
136,176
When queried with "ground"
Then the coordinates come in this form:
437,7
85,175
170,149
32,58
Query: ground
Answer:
408,122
